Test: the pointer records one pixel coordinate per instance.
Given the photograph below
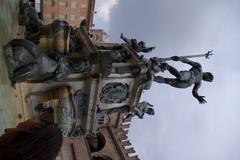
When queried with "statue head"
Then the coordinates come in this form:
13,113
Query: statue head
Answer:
150,111
141,43
207,76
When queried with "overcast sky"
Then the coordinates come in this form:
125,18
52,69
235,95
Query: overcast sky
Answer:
182,129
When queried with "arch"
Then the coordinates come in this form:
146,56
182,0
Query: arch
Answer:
97,142
101,157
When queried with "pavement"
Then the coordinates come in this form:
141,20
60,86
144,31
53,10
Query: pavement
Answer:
8,30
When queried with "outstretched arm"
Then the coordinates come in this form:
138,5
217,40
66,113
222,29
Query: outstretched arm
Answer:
146,50
187,61
124,39
195,93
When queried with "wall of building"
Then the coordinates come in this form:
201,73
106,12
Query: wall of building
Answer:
74,150
72,11
115,144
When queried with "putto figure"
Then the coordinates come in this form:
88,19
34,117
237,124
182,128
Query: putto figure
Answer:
27,62
35,29
138,46
185,79
140,110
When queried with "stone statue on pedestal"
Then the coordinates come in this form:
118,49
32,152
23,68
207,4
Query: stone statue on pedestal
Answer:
26,62
140,110
35,29
65,107
138,46
29,18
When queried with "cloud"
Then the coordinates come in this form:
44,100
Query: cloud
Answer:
183,129
104,8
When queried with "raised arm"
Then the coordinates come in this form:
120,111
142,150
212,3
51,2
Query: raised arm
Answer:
146,50
125,39
187,61
196,95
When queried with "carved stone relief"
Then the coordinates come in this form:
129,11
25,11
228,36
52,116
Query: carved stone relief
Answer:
114,93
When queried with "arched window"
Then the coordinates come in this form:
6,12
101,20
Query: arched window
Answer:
96,143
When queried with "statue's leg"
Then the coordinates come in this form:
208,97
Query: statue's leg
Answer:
25,73
176,83
173,71
159,79
138,112
172,82
127,117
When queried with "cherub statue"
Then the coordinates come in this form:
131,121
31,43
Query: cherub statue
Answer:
27,62
138,46
140,110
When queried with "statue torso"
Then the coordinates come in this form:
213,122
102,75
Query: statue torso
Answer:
194,75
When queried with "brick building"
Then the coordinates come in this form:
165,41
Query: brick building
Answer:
72,11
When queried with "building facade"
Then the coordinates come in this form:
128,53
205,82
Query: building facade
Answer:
72,11
113,144
94,102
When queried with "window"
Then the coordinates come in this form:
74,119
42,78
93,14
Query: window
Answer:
73,17
101,120
82,18
83,5
62,4
73,4
49,15
49,2
96,143
62,16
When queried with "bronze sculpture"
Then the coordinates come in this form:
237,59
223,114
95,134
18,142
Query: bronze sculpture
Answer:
138,46
26,62
185,79
140,110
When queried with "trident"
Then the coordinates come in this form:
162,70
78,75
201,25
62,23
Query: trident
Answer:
206,55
